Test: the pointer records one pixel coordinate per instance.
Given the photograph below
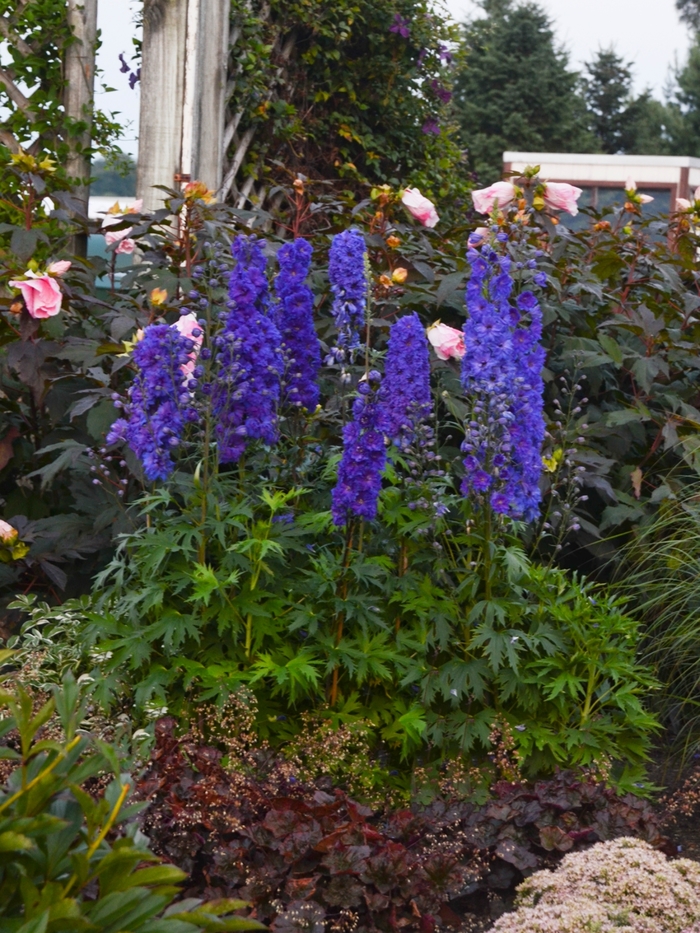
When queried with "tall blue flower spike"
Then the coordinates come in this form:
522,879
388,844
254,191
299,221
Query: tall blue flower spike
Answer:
346,271
364,456
295,321
246,391
407,397
160,403
502,375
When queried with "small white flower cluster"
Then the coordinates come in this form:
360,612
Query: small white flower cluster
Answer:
623,886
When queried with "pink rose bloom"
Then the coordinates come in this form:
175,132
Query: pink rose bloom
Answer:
477,237
58,268
683,204
41,293
126,245
485,199
419,207
447,341
631,188
560,196
8,534
115,214
186,325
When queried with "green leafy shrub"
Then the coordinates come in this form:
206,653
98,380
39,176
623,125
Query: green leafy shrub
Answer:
618,885
63,865
329,91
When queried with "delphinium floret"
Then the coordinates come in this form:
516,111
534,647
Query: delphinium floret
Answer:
160,403
364,456
407,397
248,366
295,321
501,375
347,275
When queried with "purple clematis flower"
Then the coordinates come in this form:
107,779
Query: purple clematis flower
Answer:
400,26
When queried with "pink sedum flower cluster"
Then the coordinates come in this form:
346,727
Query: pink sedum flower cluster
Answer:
419,207
558,196
623,886
41,292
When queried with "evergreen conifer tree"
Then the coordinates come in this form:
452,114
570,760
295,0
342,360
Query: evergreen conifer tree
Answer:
516,90
620,121
689,11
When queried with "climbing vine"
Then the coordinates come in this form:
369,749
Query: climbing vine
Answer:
36,35
356,90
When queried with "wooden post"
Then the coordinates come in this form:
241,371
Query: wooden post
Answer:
183,85
79,99
207,97
162,87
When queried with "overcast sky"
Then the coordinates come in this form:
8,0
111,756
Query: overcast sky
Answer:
645,32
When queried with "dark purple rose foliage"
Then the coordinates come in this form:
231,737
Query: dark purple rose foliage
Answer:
348,278
364,455
295,321
248,362
502,376
160,403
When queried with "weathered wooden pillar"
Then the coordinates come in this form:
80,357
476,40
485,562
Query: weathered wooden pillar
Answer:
162,88
183,85
79,97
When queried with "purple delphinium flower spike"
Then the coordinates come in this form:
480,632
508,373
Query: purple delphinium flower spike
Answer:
246,391
364,456
159,403
346,271
407,399
295,322
501,373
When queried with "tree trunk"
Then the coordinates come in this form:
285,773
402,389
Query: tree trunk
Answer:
79,100
183,81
